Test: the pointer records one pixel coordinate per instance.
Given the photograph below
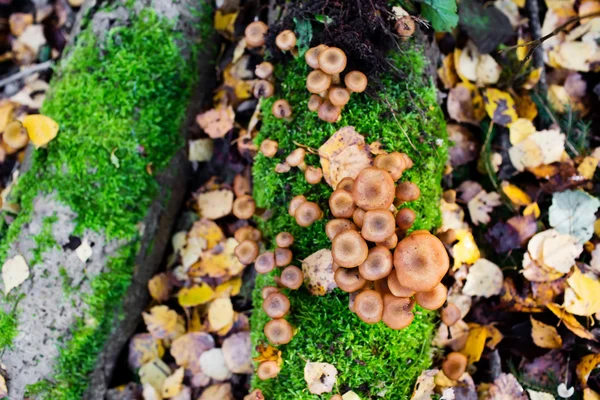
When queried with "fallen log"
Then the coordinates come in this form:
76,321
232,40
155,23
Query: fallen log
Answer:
98,204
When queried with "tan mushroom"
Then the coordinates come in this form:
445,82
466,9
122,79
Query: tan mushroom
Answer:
244,207
241,185
307,213
269,148
378,225
349,279
292,277
346,184
390,242
397,311
378,264
267,290
247,232
373,189
283,256
264,70
338,96
285,40
296,157
314,102
341,204
281,109
450,314
405,218
276,305
368,306
255,34
318,81
407,191
15,135
267,370
356,81
265,262
263,88
313,175
349,249
246,252
392,163
396,288
338,225
405,26
432,299
284,239
295,203
278,331
328,112
454,365
332,60
358,216
312,55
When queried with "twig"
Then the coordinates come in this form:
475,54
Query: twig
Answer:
25,72
536,30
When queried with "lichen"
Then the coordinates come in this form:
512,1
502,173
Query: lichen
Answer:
371,359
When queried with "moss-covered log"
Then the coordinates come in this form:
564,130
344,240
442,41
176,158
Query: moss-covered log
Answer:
113,179
372,360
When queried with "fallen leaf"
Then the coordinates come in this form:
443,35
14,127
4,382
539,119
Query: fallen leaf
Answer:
500,106
585,367
520,130
465,104
488,70
587,167
514,301
318,272
220,313
6,113
200,150
33,37
532,209
224,23
15,271
535,395
320,377
219,261
576,55
554,250
447,72
266,352
484,279
41,129
195,296
221,391
582,297
213,364
217,122
533,78
473,349
506,387
589,394
570,322
163,323
573,212
481,205
230,288
3,388
84,251
237,350
454,337
425,386
159,287
173,384
545,336
214,204
465,251
515,195
543,147
465,147
143,348
187,349
526,107
526,227
350,396
154,373
453,217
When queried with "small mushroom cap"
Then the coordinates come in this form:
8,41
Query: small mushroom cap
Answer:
341,204
278,331
356,81
286,40
281,109
407,191
256,394
346,184
283,256
241,185
263,88
432,299
247,232
449,196
332,60
296,157
349,249
312,55
378,264
408,162
313,175
421,261
267,290
368,306
276,305
255,34
247,251
269,148
396,288
265,262
397,311
317,81
450,314
295,203
284,239
448,236
244,207
336,397
373,189
264,70
338,96
349,279
390,242
307,213
405,218
267,370
328,112
454,365
358,216
392,163
314,102
292,277
15,135
378,225
335,226
405,26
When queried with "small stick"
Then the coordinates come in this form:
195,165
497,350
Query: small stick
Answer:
25,72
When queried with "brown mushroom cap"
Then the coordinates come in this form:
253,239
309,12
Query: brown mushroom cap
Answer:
281,109
407,191
336,397
408,162
244,207
450,314
247,232
356,81
312,55
255,34
295,203
269,148
454,365
396,288
405,218
246,252
328,112
448,236
313,175
368,306
241,185
267,370
264,70
292,277
317,81
338,96
278,331
265,262
405,26
341,204
263,88
349,249
296,157
349,279
449,196
358,216
373,189
307,213
378,225
283,256
421,261
314,102
432,299
276,305
267,290
397,311
335,226
286,40
332,60
284,239
256,394
15,135
378,264
390,242
346,184
392,163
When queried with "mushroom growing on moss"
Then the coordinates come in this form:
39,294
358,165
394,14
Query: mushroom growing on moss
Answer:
356,81
244,207
269,148
318,81
421,261
390,242
307,213
312,55
341,204
328,112
247,232
278,331
263,88
349,279
265,262
368,306
396,288
264,70
450,314
296,157
284,239
332,60
268,370
373,189
397,311
314,102
378,264
432,299
283,256
15,135
335,226
281,109
255,34
313,175
392,163
454,365
276,305
405,26
292,277
246,252
346,184
295,203
267,290
405,218
285,40
349,249
378,225
338,96
407,191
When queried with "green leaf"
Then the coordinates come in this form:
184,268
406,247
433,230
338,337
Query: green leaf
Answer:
441,13
487,27
573,213
304,32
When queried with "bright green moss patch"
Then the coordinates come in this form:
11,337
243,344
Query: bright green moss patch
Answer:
371,359
8,328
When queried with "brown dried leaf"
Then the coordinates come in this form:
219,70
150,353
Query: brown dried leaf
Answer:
545,336
143,348
214,204
188,348
585,367
217,122
570,322
159,287
163,323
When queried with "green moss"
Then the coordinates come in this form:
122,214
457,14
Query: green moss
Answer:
370,358
8,328
44,241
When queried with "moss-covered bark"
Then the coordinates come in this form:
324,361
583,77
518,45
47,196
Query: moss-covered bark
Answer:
371,359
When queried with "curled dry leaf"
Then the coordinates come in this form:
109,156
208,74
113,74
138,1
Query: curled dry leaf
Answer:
237,350
465,251
477,340
515,195
173,384
213,364
552,250
159,287
481,205
220,313
570,322
506,386
582,297
545,336
219,261
539,148
15,271
154,373
143,348
164,323
500,106
585,367
266,352
465,104
195,295
320,377
425,386
187,349
318,272
217,122
484,279
221,391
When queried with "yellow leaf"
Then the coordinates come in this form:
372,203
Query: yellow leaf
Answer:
159,287
570,322
532,208
520,129
585,367
3,388
230,288
267,353
465,251
597,227
583,295
154,373
521,51
533,78
447,72
589,394
475,342
224,23
545,336
587,168
172,385
163,323
195,296
500,106
220,313
6,115
41,129
520,4
494,335
558,98
516,195
526,108
219,261
207,230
